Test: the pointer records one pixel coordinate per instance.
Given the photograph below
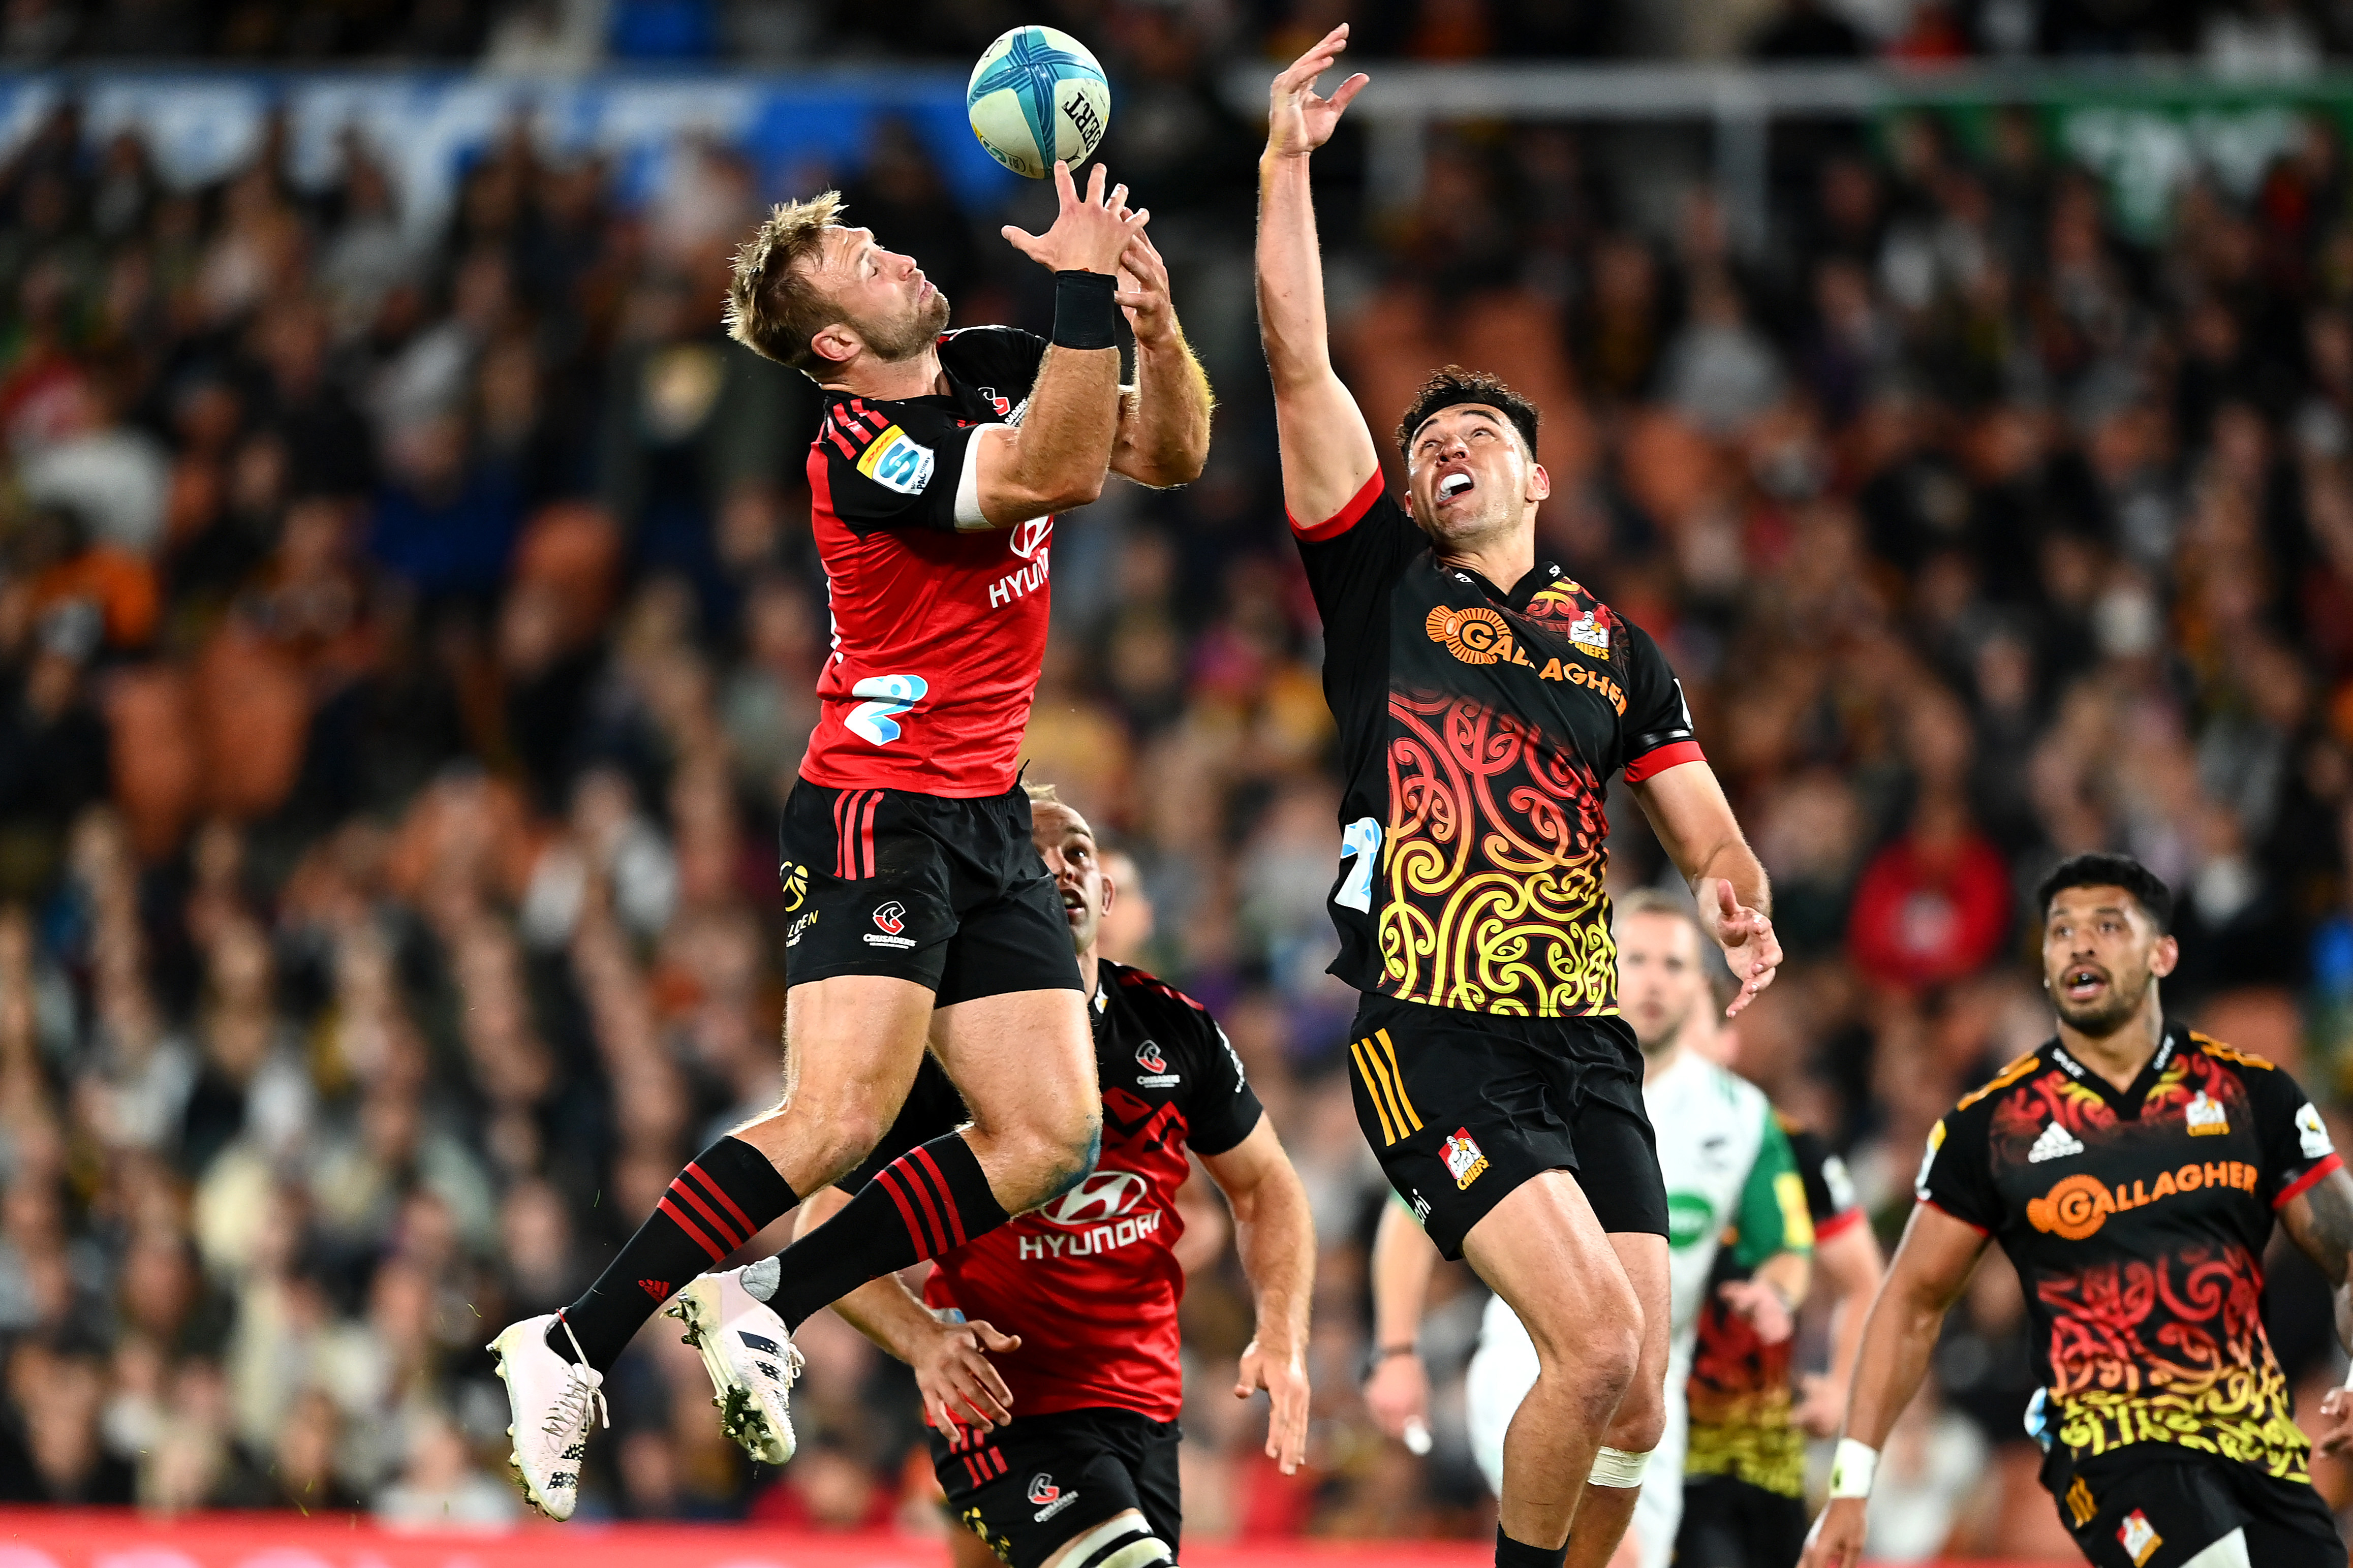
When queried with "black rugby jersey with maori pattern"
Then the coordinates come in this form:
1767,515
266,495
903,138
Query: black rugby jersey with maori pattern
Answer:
2136,1219
1479,731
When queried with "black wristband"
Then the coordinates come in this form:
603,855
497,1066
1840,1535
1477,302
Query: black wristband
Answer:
1084,310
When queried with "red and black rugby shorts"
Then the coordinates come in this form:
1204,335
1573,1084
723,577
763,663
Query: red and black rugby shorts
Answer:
948,893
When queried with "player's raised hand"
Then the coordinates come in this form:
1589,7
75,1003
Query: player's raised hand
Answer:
1821,1404
1298,119
958,1382
1836,1540
1285,1378
1143,293
1089,233
1750,948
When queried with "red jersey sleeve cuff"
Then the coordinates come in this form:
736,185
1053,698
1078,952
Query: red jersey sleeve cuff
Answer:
2331,1161
1346,518
1652,763
1837,1225
1932,1204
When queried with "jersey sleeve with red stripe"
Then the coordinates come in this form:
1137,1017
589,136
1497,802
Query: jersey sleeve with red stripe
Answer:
1658,724
1830,1197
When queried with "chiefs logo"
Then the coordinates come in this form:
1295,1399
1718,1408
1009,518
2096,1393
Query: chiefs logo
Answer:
1106,1196
1474,636
892,918
794,881
1026,539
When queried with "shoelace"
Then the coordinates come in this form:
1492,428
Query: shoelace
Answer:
582,1383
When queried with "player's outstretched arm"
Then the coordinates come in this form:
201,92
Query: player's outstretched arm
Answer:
1850,1265
1695,826
1327,449
1932,1265
1164,419
1397,1391
1057,458
2320,1220
1275,1232
949,1358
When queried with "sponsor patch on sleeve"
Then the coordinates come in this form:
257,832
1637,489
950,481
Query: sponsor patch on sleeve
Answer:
896,460
2312,1133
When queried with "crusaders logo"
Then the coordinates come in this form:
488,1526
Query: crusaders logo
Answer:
1150,1059
892,918
1474,636
1042,1489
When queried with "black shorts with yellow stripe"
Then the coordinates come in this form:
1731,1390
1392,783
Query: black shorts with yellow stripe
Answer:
1461,1108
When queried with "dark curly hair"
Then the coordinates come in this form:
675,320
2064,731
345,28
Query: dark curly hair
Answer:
2102,870
1452,385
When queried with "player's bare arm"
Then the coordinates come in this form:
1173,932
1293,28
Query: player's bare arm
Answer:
1849,1265
950,1359
1695,826
1931,1267
2320,1220
1327,448
1397,1390
1055,459
1276,1234
1164,418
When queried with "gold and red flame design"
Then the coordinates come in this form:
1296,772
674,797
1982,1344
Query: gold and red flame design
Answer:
1740,1405
1494,865
2169,1350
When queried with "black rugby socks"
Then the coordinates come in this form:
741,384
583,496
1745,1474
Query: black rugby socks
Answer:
925,1203
1511,1553
725,1194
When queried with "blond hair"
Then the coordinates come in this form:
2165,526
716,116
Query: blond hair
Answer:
1041,794
774,305
1658,901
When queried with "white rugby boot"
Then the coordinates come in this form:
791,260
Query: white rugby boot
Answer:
750,1357
551,1400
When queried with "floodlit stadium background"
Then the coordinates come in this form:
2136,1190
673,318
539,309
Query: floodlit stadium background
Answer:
408,618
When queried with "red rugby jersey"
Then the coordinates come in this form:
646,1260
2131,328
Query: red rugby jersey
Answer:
1090,1281
937,631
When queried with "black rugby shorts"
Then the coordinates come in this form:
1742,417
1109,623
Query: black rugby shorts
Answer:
950,894
1732,1523
1040,1481
2136,1509
1462,1108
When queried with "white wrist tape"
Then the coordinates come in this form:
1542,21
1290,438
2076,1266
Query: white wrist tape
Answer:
1851,1467
1617,1468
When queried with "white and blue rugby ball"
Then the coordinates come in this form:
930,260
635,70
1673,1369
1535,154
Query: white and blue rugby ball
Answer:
1037,96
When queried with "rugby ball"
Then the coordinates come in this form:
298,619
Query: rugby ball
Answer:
1037,96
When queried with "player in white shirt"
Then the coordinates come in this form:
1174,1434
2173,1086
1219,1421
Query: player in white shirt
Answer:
1731,1181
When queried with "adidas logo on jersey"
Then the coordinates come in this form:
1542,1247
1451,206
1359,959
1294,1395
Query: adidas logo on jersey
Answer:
2056,1144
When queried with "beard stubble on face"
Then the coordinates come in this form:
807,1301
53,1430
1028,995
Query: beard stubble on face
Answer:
907,335
2112,1013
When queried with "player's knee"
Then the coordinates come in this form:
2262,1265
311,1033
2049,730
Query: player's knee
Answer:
1126,1541
1641,1418
1073,1159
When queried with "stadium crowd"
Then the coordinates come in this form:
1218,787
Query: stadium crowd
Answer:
404,647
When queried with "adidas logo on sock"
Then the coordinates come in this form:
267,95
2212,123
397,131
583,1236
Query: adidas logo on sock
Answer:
657,1288
2056,1144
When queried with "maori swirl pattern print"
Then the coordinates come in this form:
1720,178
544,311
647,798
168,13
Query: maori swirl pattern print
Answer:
1495,866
